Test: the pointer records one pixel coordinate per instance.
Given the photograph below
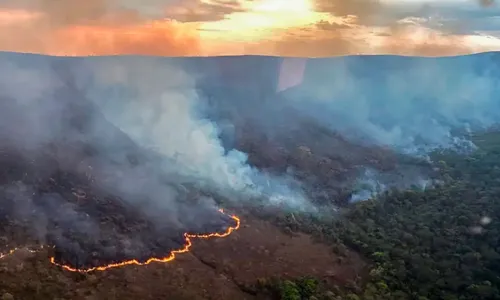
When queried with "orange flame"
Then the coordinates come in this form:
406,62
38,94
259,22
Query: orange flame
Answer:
12,251
3,255
166,259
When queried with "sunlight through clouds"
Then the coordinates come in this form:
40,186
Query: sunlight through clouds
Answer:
276,27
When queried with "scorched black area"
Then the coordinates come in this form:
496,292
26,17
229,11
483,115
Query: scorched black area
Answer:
72,180
87,226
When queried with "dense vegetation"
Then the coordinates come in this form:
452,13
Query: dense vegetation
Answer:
441,243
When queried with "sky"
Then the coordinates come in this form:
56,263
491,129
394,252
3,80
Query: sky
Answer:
302,28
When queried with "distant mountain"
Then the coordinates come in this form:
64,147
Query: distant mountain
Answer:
350,113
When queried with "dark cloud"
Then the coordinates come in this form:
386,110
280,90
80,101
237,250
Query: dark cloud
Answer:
363,9
325,25
197,11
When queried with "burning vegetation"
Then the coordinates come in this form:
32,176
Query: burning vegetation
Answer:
67,190
119,164
72,265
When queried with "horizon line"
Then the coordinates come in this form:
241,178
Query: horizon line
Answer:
243,55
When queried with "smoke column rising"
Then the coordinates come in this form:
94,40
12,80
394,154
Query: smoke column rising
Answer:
155,102
77,182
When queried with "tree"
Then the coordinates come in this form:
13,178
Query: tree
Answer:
289,291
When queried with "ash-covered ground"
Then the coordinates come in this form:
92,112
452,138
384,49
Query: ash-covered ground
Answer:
72,180
115,158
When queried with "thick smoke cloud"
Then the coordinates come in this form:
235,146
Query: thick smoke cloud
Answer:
411,104
401,104
78,182
117,154
407,105
155,102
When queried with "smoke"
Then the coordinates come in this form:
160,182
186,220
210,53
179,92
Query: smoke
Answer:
371,183
113,153
384,105
22,92
414,105
165,158
410,105
80,184
156,104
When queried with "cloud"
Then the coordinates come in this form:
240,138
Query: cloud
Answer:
202,11
215,27
74,12
94,27
373,27
337,42
362,9
416,40
152,38
328,25
326,39
473,22
387,13
116,12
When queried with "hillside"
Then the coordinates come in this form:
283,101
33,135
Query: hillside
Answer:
440,243
115,158
65,171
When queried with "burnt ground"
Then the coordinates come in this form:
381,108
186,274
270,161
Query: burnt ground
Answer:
49,202
215,269
55,196
224,268
74,181
62,192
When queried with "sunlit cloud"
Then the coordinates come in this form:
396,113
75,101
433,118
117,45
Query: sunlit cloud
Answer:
275,27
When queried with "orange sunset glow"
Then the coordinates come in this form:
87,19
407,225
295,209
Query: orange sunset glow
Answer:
221,27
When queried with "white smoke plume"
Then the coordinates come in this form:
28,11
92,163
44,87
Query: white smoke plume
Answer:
156,104
413,104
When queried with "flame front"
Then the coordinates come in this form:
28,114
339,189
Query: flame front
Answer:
170,257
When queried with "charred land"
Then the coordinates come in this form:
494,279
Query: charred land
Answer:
109,160
55,193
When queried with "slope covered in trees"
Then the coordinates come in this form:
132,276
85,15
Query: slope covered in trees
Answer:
439,243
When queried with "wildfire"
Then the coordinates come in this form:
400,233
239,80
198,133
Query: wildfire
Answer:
12,251
170,257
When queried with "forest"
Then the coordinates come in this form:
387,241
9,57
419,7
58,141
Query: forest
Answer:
437,243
